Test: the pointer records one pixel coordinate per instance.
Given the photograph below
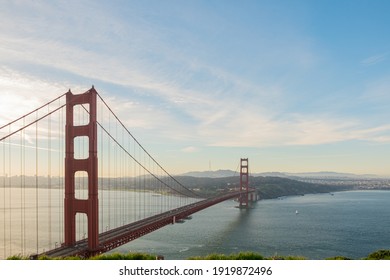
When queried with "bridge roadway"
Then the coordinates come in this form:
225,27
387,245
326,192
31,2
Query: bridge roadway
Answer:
116,237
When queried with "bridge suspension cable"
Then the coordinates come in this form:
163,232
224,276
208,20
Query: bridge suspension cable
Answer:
133,186
31,184
189,192
143,188
29,114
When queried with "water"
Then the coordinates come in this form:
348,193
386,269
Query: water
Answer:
350,224
32,219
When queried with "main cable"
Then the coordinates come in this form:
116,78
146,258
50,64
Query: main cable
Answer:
124,127
33,111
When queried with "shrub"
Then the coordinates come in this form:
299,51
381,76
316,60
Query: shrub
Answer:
238,256
379,255
338,258
128,256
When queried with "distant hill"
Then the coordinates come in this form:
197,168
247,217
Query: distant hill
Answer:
278,184
274,187
268,187
331,175
211,174
317,175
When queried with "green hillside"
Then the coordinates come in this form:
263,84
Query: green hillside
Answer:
268,187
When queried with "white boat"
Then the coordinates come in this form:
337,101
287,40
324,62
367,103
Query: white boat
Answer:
296,212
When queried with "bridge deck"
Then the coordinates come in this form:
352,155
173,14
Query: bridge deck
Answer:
116,237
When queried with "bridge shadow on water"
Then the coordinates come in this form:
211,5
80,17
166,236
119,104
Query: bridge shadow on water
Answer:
220,229
234,232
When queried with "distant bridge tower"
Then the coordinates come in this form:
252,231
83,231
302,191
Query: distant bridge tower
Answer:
244,183
88,165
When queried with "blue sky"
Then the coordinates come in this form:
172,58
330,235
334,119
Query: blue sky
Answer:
294,86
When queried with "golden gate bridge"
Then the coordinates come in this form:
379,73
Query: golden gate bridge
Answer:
90,187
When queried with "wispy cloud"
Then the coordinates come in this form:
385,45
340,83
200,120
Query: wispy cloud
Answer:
21,93
377,91
375,59
263,132
189,149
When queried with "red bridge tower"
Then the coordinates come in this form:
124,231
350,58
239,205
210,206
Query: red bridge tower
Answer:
89,165
244,183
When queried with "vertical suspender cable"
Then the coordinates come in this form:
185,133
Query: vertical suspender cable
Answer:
119,202
82,178
140,186
60,179
24,189
36,185
121,186
134,187
58,176
21,189
149,190
10,191
126,171
77,153
4,225
129,184
49,174
116,177
162,194
125,184
109,173
144,192
101,160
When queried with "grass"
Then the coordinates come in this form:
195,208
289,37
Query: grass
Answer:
238,256
378,255
113,256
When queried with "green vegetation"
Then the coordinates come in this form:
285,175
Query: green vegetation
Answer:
338,258
113,256
128,256
268,187
274,187
378,255
238,256
18,257
246,256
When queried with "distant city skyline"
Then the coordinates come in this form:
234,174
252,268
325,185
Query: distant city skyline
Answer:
295,86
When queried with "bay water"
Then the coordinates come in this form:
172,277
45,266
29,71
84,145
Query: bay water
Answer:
350,224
